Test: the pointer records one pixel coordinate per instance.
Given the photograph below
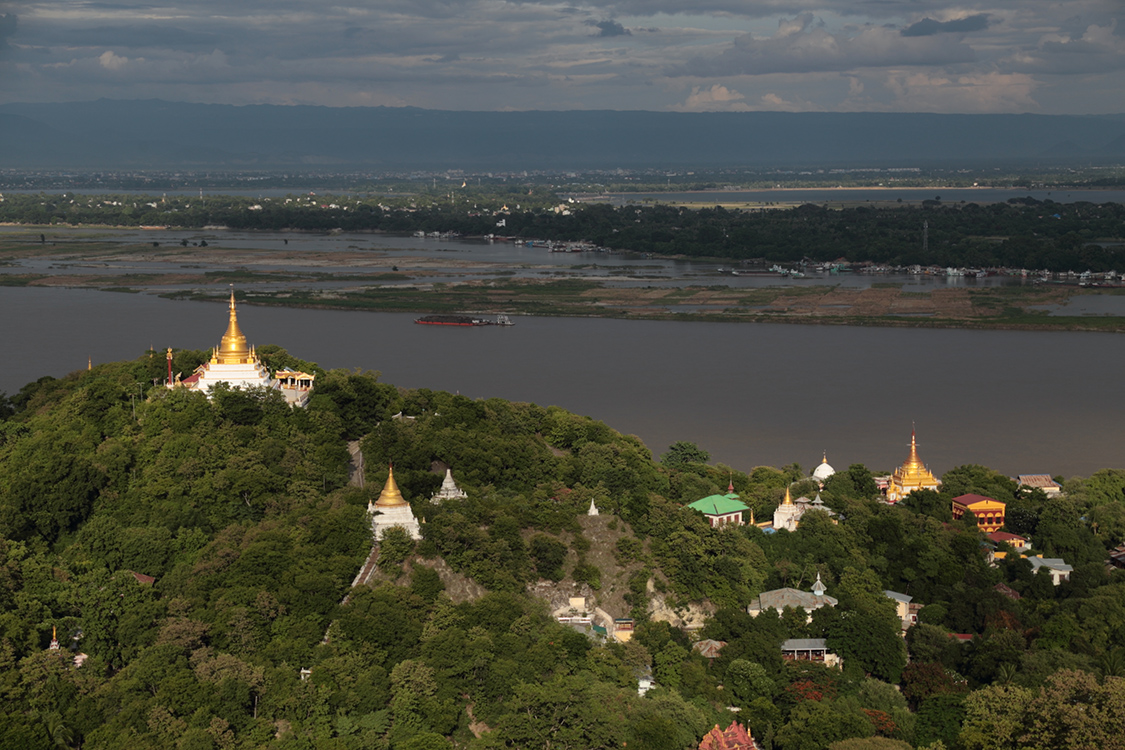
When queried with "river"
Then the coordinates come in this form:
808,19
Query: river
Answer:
750,394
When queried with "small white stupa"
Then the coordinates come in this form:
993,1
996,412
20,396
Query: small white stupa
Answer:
822,472
593,511
391,509
787,514
449,490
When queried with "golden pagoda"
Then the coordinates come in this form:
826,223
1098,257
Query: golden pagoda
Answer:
912,475
236,363
391,509
232,350
391,496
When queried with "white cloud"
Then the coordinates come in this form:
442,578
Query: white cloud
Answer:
110,61
973,94
718,98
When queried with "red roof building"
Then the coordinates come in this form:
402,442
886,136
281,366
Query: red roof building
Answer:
988,512
734,737
1015,541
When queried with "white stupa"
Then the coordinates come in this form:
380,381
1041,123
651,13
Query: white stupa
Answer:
391,509
787,514
449,490
593,511
232,362
822,472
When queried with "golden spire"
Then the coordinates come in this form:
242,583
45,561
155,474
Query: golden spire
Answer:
89,363
390,496
788,498
913,464
825,459
233,349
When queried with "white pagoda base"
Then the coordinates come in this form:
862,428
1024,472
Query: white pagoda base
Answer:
384,518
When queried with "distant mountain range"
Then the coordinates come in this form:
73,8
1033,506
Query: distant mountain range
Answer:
109,134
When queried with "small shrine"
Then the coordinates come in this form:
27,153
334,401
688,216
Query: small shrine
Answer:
448,490
787,514
391,509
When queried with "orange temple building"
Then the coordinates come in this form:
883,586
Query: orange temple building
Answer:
989,513
734,737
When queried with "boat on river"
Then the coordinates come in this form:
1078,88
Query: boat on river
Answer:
462,320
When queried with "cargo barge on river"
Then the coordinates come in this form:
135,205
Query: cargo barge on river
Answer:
462,320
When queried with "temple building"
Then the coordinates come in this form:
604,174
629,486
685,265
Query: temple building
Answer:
734,737
822,472
391,509
236,363
722,510
988,512
779,599
912,475
449,490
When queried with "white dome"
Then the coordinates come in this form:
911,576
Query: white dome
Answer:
822,472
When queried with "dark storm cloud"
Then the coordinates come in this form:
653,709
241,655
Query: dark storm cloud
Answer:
929,27
609,28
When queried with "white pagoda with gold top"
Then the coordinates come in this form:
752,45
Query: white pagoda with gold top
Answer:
391,509
232,362
236,363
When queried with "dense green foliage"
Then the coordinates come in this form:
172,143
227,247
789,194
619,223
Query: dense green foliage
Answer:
1023,233
240,510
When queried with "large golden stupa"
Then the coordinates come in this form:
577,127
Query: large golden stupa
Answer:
912,475
391,496
232,349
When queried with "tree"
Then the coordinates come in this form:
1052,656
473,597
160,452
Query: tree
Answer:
1073,710
995,717
683,453
567,712
813,725
748,680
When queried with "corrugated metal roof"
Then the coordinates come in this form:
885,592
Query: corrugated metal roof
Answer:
718,505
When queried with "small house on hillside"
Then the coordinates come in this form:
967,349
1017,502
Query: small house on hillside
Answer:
1055,566
809,649
1040,482
721,510
1015,541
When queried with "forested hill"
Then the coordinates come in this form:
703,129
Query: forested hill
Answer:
109,134
200,553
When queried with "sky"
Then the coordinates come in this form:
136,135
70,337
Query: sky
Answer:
977,56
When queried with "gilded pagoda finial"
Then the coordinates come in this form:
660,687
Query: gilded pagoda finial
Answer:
233,349
391,496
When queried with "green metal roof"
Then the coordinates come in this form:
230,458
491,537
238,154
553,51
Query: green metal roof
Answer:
718,505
